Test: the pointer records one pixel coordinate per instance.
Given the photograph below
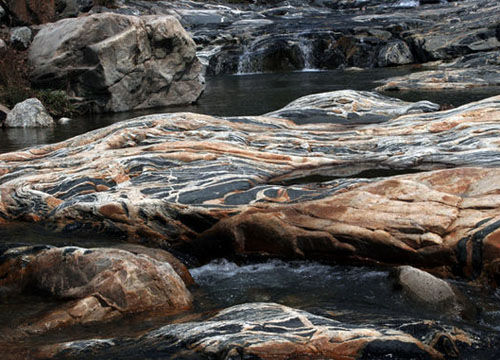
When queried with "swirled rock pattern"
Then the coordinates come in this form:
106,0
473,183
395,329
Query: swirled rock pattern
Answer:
96,284
261,185
272,331
112,62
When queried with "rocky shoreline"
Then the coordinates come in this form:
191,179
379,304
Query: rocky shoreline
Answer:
344,177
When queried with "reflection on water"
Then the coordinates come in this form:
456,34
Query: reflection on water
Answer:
255,94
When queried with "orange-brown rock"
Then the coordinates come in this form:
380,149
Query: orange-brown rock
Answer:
95,285
33,11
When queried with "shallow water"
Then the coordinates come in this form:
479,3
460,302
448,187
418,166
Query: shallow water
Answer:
255,94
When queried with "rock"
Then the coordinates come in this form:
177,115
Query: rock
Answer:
4,111
3,45
349,107
395,53
426,289
444,79
71,8
161,256
32,11
118,63
29,113
21,37
2,13
258,331
219,187
97,284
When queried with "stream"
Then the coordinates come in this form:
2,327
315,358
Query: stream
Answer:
358,295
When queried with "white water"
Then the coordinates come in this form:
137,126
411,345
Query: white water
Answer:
407,3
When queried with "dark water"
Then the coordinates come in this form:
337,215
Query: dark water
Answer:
255,94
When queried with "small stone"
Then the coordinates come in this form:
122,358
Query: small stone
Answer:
425,288
3,45
21,37
29,113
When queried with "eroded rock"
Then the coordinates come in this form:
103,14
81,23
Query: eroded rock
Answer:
258,331
29,113
97,284
228,186
115,62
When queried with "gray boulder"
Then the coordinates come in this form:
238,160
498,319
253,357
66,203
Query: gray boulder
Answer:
29,113
395,53
20,37
114,62
426,289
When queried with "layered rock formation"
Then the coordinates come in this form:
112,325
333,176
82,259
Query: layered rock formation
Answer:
95,284
111,62
294,191
272,331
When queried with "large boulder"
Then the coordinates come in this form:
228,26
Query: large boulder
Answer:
29,113
117,63
97,284
395,53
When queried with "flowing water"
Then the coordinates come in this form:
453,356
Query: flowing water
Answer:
353,294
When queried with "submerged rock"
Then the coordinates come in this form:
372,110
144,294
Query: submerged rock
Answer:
29,113
115,62
97,284
257,331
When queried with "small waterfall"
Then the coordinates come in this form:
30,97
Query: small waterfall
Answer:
407,3
306,49
249,62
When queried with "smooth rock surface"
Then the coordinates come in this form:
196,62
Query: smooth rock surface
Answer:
257,331
20,37
29,113
97,284
444,79
115,62
425,288
220,187
349,107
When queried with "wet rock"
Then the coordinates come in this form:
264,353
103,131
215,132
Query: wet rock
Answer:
29,113
97,284
115,63
64,120
219,187
444,79
257,331
349,107
21,37
162,256
426,289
